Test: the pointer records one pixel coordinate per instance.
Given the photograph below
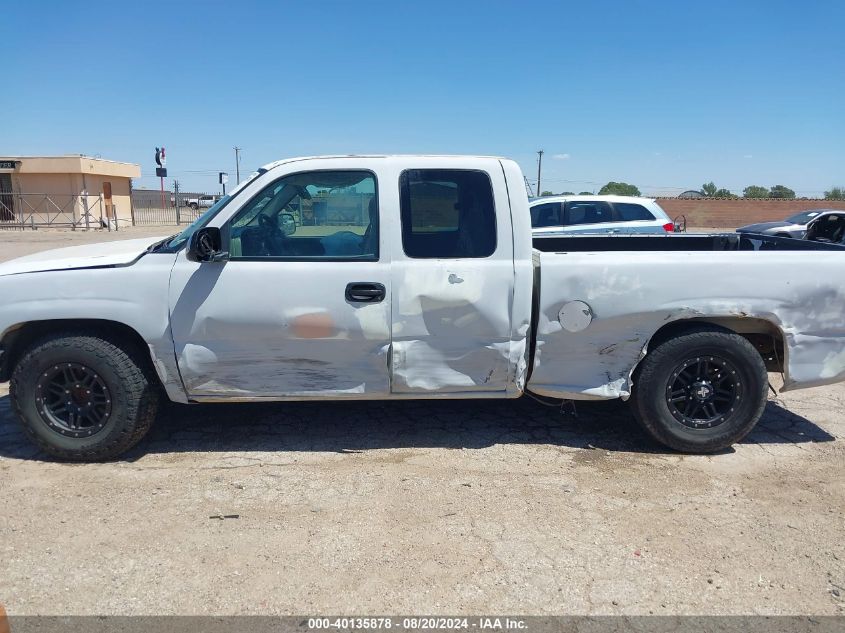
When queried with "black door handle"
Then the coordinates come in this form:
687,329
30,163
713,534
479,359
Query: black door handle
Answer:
365,292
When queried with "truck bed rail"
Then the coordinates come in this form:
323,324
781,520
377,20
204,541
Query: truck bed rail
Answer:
678,242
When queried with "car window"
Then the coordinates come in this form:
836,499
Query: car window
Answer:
319,215
629,211
587,212
803,217
547,214
447,213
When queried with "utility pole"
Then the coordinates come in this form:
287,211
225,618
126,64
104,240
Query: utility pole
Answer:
238,164
539,171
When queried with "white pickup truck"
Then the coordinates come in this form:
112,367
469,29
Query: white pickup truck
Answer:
394,277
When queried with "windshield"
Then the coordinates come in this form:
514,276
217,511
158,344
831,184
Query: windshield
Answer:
176,242
803,217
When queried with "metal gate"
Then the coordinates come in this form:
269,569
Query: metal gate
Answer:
33,210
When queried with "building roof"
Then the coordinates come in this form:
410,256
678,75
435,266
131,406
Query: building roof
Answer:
73,164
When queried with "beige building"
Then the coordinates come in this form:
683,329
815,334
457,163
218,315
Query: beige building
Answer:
65,190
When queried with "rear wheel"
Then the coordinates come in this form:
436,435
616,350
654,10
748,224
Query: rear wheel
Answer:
701,391
82,398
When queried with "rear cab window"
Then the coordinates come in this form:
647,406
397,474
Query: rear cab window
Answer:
447,213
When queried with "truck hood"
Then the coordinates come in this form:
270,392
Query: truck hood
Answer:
118,253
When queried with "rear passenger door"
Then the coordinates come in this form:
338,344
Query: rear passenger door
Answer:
453,282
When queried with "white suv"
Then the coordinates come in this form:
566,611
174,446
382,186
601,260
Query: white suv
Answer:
556,215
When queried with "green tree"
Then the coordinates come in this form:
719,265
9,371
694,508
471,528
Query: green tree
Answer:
709,189
545,194
619,189
585,193
835,193
755,191
779,191
567,193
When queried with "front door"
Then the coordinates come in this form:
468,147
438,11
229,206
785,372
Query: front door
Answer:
453,284
302,306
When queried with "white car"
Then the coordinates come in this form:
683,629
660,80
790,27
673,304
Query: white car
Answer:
563,215
202,202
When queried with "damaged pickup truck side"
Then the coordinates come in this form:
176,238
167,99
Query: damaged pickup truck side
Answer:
391,277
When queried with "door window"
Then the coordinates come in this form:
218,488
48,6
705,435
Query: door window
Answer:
547,214
588,212
629,211
318,215
447,213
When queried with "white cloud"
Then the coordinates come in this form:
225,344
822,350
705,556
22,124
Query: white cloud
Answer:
561,156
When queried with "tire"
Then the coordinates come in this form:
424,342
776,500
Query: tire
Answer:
194,206
701,391
124,398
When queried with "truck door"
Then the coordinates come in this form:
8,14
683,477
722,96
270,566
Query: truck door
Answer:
452,282
300,308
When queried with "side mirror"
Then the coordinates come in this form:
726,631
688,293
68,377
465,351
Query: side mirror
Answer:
287,223
206,246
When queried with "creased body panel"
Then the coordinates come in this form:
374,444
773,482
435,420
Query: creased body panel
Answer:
273,329
631,295
451,326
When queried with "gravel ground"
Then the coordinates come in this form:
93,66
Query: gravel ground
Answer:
425,507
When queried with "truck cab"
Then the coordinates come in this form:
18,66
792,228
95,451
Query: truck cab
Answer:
379,277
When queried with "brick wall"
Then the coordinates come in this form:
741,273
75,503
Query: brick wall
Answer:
723,213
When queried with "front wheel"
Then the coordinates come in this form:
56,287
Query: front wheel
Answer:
701,391
82,398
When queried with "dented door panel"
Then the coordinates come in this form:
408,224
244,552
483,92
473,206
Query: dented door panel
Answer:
451,326
454,326
278,329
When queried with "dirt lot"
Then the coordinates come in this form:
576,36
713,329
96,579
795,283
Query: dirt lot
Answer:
434,507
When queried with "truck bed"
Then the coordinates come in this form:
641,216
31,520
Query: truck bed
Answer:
785,291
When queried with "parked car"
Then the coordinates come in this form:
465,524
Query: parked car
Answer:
201,202
436,292
793,226
554,215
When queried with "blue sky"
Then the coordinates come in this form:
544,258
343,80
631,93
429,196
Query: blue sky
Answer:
665,95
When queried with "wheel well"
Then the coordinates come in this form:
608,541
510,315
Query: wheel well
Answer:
765,336
18,339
